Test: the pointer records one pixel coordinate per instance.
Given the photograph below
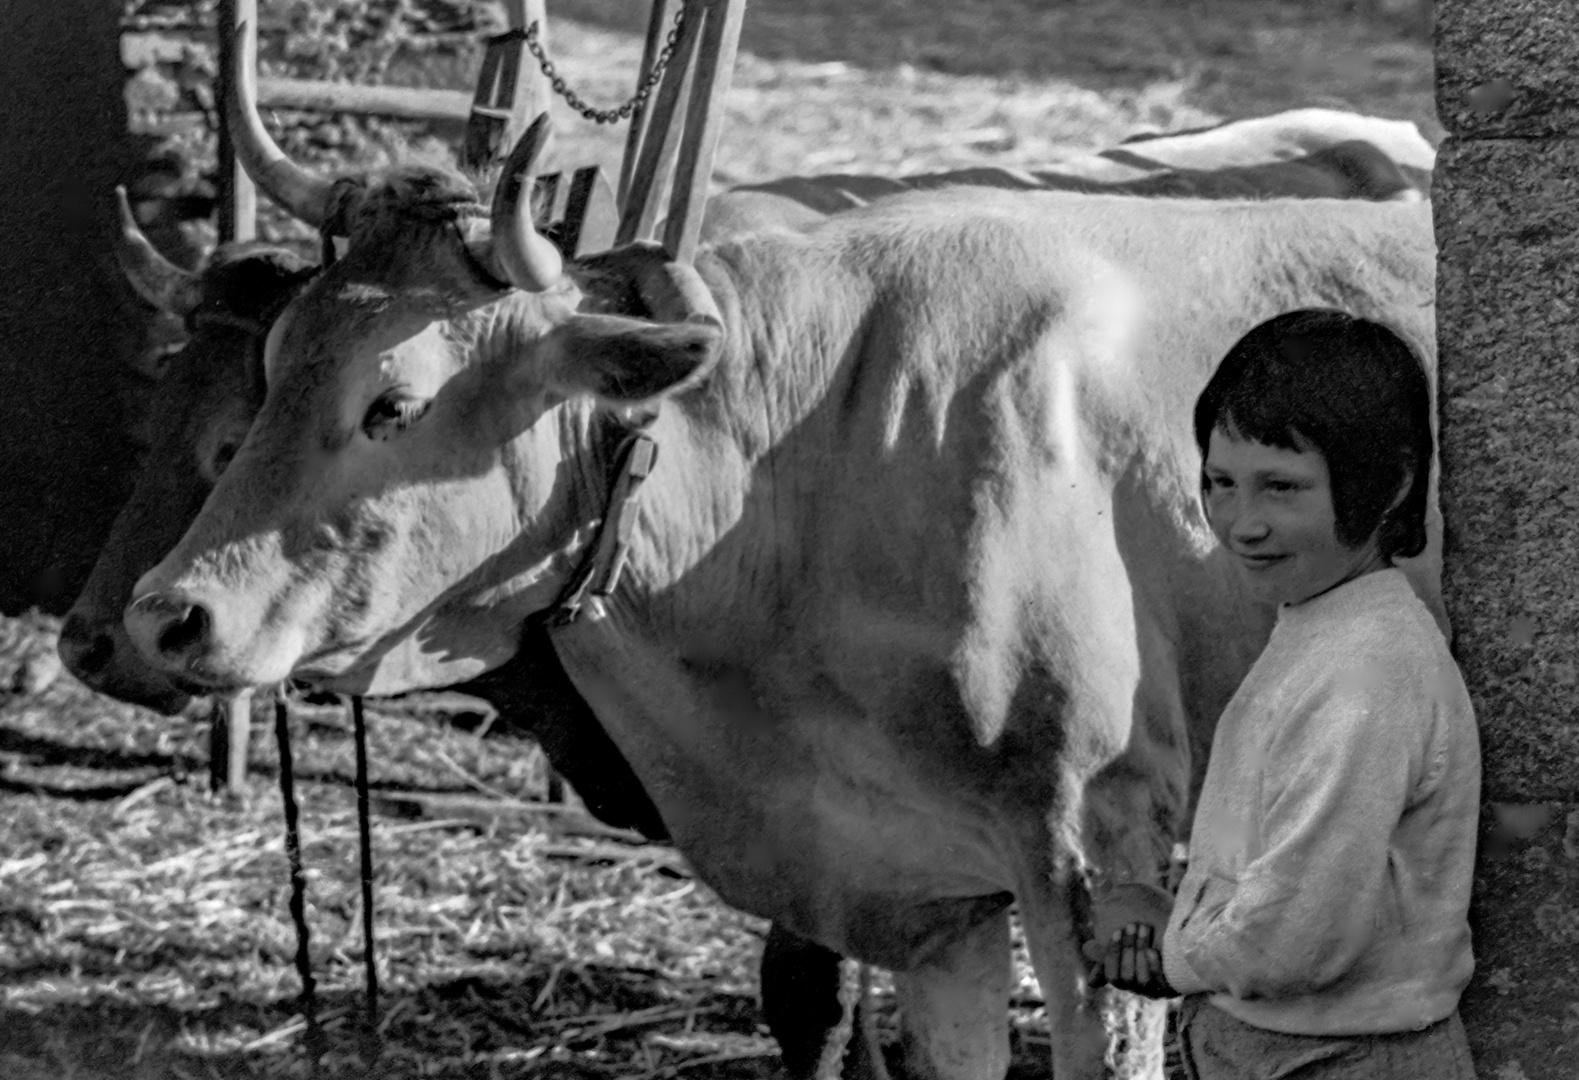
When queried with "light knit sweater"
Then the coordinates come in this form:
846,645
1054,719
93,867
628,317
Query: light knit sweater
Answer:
1333,848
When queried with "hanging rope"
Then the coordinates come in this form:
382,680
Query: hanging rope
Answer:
372,1038
293,853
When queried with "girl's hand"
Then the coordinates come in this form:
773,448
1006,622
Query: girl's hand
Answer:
1130,961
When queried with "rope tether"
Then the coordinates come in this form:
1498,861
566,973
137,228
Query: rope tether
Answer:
293,852
372,1038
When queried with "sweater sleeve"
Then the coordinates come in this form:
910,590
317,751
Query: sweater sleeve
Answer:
1337,779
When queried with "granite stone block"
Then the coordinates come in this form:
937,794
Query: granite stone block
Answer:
1521,1010
1507,226
1507,69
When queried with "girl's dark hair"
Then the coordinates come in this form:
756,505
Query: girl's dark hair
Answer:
1353,390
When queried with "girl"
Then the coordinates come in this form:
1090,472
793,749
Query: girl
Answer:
1321,929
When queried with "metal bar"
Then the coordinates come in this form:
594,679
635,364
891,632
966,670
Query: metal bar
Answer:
662,13
704,121
639,212
237,198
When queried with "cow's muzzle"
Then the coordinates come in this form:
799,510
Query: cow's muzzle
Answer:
101,656
172,631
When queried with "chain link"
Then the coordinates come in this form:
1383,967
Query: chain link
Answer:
637,100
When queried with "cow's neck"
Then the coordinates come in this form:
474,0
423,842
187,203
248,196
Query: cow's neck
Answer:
713,534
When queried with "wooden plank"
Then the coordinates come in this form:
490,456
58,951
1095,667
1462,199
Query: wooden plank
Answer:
591,217
408,103
639,212
657,33
704,121
237,198
511,89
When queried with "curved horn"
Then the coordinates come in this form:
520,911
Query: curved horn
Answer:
153,277
281,179
515,251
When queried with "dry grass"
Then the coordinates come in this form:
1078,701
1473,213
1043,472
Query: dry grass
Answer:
144,927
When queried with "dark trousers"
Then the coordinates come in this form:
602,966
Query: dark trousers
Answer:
1217,1046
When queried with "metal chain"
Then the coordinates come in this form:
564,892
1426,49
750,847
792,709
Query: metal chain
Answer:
637,100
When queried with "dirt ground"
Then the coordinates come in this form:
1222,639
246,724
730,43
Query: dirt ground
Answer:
143,922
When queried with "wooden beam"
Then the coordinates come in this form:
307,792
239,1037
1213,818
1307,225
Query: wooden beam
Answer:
591,217
407,103
639,212
511,89
657,33
237,199
704,121
230,731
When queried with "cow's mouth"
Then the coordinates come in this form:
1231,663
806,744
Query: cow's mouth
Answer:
197,681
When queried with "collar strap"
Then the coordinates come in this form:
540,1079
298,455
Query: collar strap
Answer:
599,571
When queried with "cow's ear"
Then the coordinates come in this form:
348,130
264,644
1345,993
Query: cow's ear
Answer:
626,361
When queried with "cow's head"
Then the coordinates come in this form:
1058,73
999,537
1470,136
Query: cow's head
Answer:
207,394
425,465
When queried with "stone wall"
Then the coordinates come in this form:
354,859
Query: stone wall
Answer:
1506,202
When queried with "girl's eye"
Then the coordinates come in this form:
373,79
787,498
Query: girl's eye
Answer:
391,414
1279,486
223,456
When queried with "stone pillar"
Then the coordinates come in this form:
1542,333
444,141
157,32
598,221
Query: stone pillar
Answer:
1506,200
65,319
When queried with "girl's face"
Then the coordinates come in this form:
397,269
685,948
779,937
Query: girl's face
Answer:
1272,509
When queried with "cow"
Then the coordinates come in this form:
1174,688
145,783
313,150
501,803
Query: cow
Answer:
918,614
209,391
206,401
1301,153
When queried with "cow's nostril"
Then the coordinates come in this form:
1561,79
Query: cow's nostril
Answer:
86,651
181,633
96,657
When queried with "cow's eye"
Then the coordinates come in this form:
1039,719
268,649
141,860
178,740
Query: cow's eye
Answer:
391,414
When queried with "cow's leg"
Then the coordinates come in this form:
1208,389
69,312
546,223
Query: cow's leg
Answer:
955,1010
1049,903
1118,816
800,982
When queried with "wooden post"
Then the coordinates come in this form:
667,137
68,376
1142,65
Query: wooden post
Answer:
660,145
679,151
704,120
238,199
230,729
657,26
511,89
237,212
